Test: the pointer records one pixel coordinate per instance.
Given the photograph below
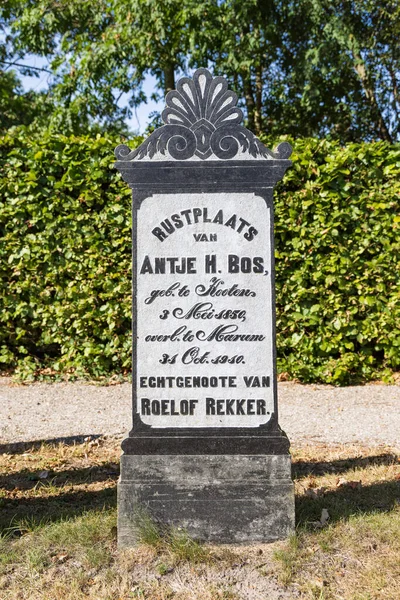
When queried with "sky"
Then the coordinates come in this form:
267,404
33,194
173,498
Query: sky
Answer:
140,118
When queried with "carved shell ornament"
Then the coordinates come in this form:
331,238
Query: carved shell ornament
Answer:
202,122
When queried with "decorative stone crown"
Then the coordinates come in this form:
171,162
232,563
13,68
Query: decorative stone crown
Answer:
202,122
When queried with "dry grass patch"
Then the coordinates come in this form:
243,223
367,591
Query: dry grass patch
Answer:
50,481
354,553
354,559
345,481
58,517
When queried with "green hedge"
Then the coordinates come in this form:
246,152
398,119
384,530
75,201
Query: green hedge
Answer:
65,256
65,260
338,261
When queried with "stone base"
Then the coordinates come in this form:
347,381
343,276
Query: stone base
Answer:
216,498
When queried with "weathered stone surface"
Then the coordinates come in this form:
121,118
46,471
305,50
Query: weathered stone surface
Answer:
222,499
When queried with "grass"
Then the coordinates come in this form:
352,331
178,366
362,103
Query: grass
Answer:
166,539
357,558
172,540
58,533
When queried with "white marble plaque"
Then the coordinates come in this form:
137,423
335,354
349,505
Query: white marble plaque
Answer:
204,311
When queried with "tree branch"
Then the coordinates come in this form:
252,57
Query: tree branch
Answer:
359,67
169,78
249,98
15,64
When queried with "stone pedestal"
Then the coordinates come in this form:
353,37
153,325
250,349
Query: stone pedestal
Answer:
215,498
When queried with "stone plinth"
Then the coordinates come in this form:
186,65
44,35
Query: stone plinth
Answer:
216,498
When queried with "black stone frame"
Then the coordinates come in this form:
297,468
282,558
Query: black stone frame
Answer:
169,177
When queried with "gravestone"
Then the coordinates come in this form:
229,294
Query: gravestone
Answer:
206,452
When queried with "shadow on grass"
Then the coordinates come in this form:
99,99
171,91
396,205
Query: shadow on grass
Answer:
21,447
303,468
54,508
28,479
342,503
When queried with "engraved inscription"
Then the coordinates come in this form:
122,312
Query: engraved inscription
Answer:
204,315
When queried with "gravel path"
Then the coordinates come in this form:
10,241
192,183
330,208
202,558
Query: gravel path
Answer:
308,413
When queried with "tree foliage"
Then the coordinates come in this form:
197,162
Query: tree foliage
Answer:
65,223
100,50
302,67
17,107
314,67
